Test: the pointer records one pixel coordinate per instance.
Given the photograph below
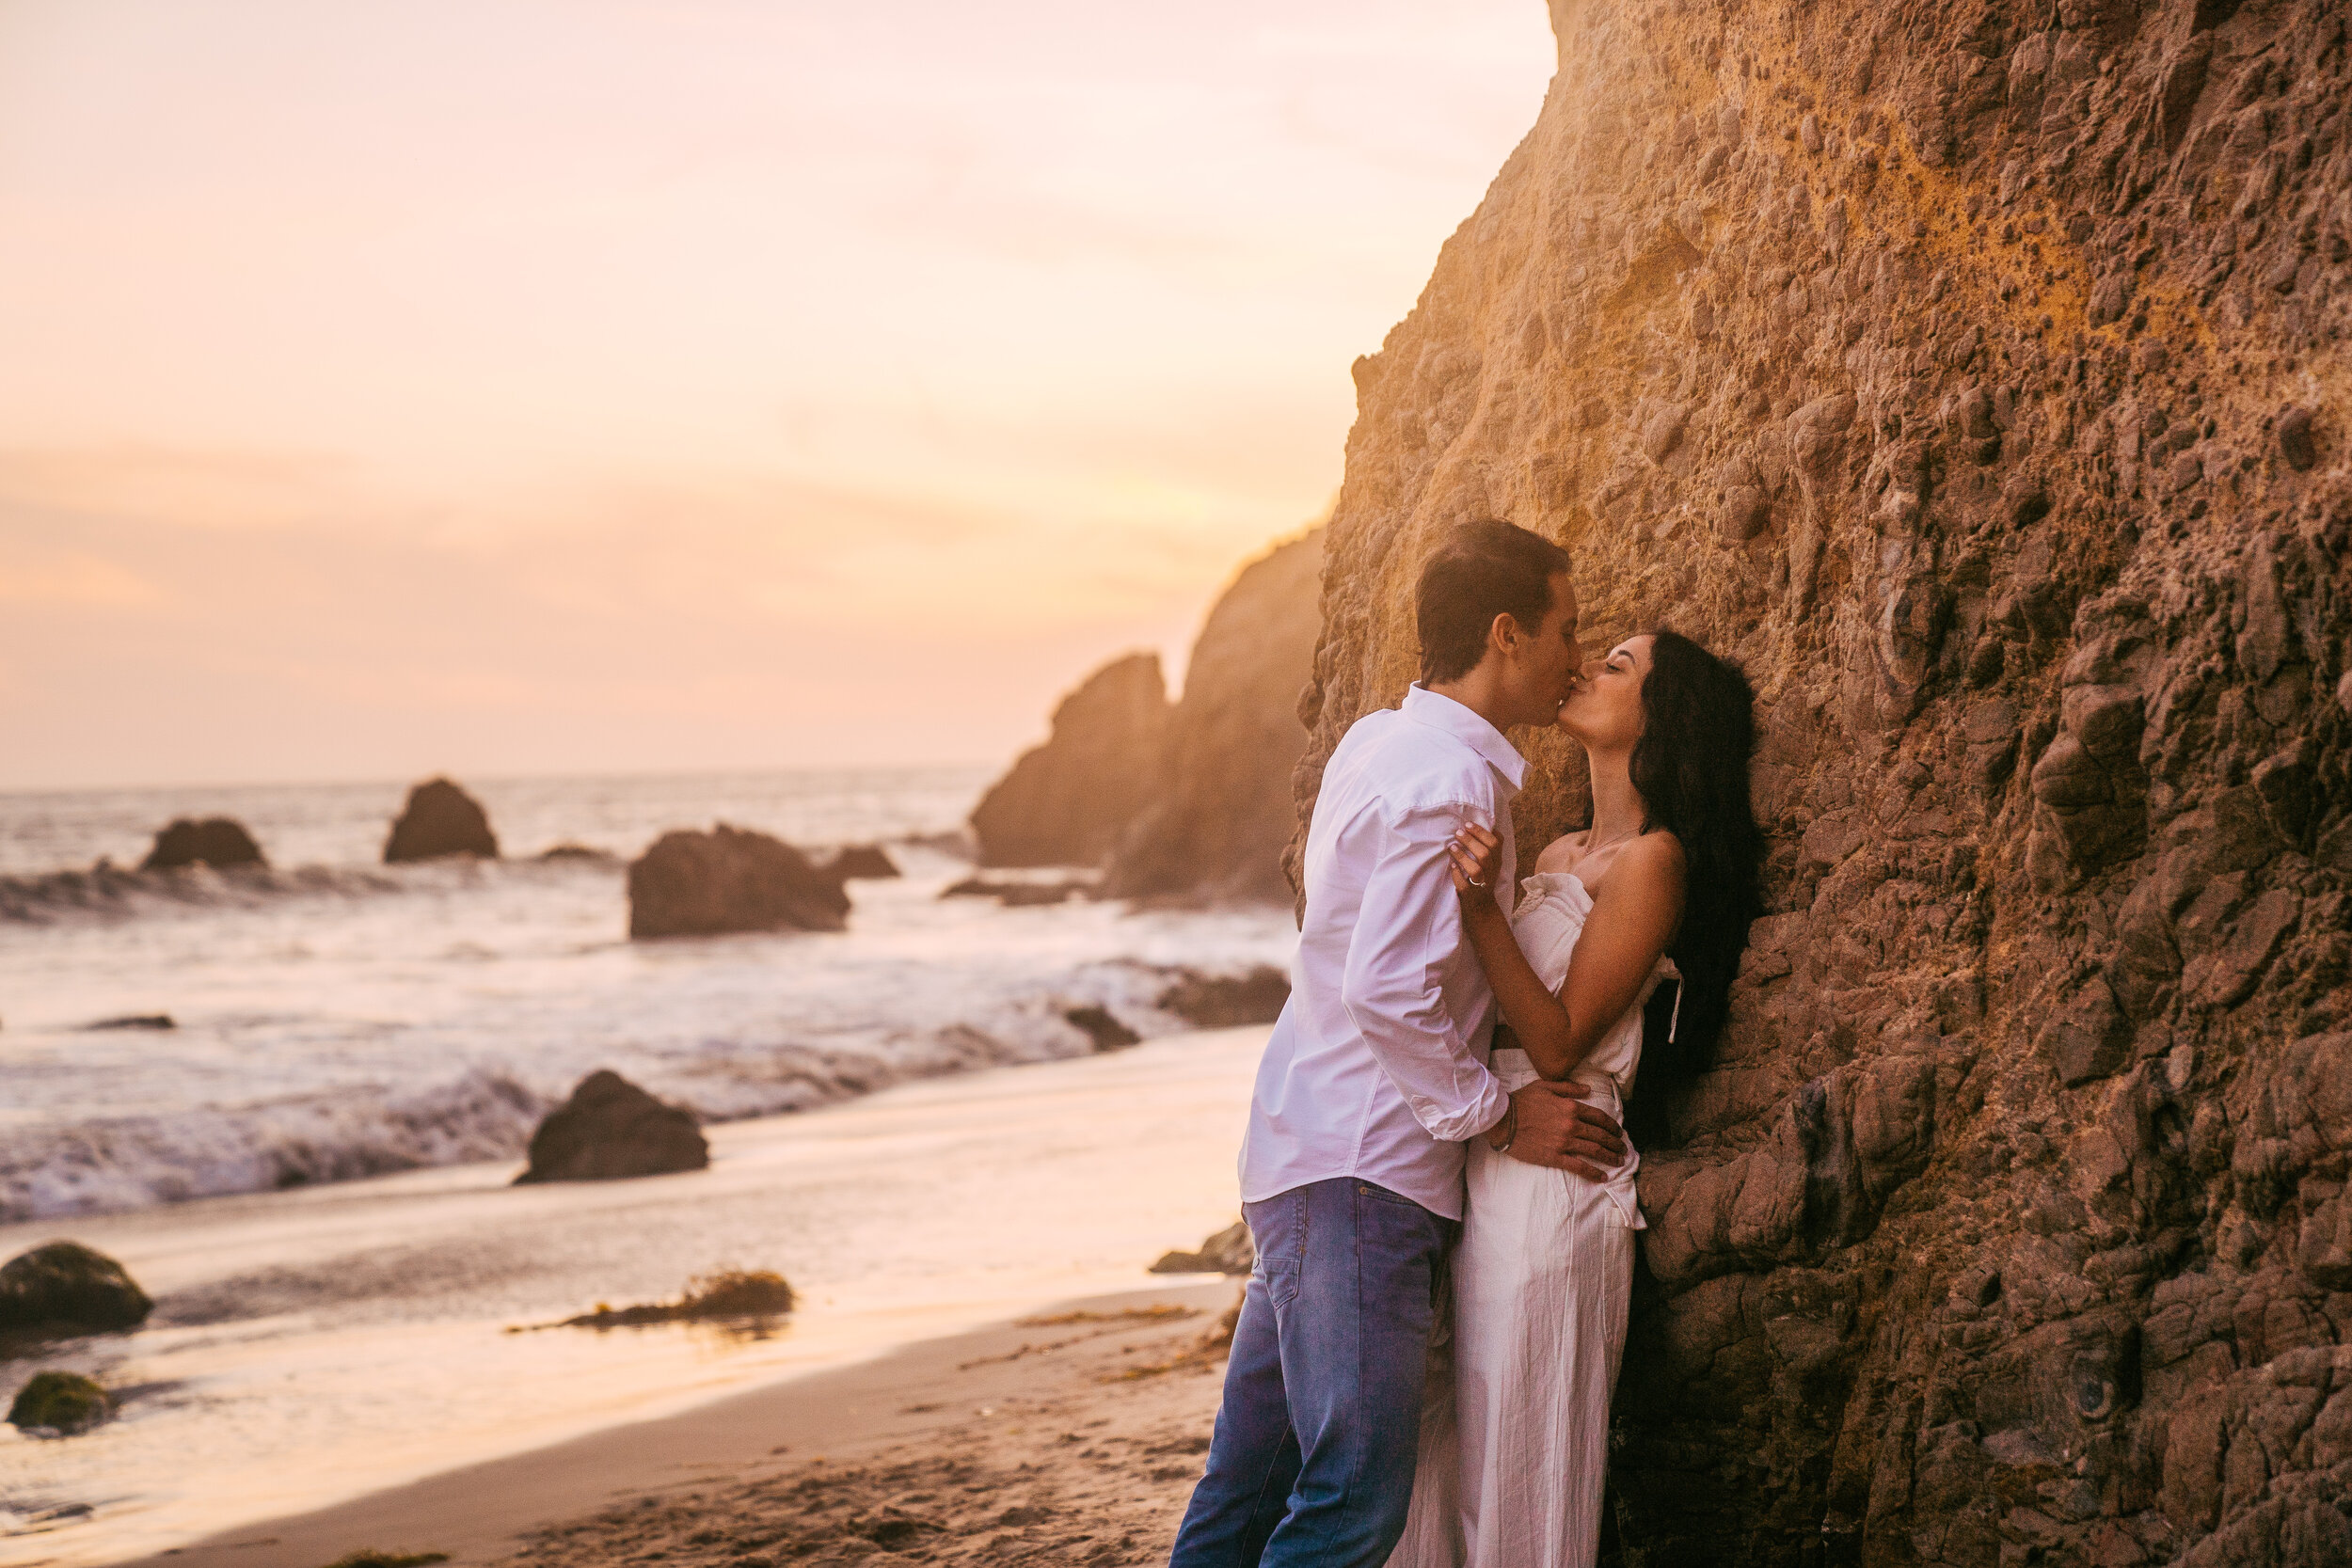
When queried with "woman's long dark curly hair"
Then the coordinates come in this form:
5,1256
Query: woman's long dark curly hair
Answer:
1690,768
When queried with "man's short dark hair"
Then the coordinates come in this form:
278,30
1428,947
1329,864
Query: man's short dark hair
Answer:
1483,570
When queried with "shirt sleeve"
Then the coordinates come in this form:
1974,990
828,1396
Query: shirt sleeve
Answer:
1409,931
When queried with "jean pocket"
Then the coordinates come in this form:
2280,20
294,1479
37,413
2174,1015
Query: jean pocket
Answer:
1277,1229
1381,1195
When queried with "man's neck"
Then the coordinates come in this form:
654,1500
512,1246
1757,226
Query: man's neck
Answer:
1480,693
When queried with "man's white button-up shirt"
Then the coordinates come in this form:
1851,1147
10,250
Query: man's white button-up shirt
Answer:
1377,1067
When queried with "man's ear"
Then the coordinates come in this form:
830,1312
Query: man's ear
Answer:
1502,634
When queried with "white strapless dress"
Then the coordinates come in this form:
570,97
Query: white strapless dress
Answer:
1515,1425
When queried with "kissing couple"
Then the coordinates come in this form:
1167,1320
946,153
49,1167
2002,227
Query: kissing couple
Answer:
1414,1166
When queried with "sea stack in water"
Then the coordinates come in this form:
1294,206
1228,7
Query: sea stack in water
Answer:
441,819
693,883
1221,810
64,1287
862,863
609,1128
214,841
1930,361
1067,802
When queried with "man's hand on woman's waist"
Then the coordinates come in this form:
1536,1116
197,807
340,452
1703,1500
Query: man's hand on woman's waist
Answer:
1549,1124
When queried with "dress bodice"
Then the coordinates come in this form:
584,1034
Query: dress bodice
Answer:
1550,916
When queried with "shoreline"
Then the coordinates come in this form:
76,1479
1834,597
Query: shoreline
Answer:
328,1344
985,1411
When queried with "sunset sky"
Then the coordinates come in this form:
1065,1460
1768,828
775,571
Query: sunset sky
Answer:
647,385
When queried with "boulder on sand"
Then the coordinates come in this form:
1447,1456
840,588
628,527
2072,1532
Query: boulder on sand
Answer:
1221,811
1067,802
609,1128
64,1287
862,863
1230,1251
441,819
212,841
693,883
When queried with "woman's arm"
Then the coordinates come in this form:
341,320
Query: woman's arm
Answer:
1634,913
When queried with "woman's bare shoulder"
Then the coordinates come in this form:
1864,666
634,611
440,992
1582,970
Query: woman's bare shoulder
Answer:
1652,862
1657,851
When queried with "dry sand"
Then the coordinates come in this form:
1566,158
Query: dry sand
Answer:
1070,1438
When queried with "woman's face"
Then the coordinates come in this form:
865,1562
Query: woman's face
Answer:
1604,707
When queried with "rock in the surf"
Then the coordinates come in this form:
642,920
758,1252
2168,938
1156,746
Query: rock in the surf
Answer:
1221,810
1230,1251
695,883
441,819
62,1403
862,863
64,1287
209,841
1067,802
1228,1000
609,1128
1103,1027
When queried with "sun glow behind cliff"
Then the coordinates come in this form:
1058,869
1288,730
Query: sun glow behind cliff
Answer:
518,387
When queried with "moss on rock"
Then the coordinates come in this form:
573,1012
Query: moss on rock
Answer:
65,1402
66,1288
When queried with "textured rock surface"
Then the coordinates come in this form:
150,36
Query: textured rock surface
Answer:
1067,802
212,841
690,884
65,1288
609,1128
1221,811
441,819
1976,374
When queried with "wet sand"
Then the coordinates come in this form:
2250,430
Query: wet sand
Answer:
1070,1437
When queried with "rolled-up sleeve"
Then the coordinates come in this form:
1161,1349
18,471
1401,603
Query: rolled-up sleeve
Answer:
1409,928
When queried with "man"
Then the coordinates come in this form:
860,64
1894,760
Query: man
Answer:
1351,1170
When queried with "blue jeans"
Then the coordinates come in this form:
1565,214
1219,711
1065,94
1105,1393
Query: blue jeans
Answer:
1312,1461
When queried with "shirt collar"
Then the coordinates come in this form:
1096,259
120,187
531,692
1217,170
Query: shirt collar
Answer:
1424,707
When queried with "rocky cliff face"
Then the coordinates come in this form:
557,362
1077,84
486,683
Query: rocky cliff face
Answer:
1221,809
1068,801
1976,374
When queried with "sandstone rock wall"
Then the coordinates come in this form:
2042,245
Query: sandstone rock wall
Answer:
1976,374
1221,810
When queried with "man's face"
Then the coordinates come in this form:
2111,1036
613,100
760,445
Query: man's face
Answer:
1547,661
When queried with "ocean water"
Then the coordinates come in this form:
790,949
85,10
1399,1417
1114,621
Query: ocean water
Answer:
336,1019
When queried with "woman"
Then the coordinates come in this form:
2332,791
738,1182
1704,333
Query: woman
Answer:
1660,886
